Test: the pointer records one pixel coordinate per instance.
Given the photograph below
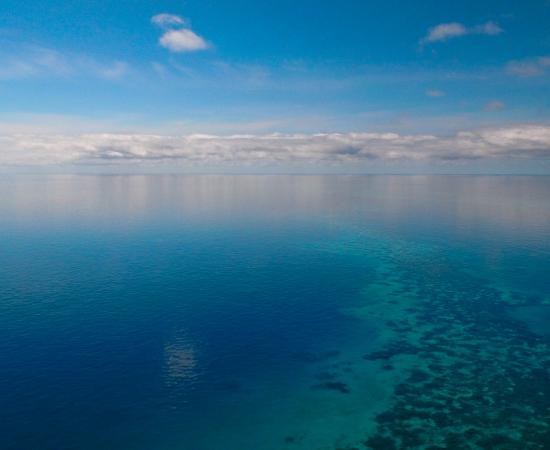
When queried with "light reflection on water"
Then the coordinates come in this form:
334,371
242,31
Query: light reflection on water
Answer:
181,360
504,202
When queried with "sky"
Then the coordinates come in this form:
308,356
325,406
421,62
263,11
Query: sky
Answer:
280,86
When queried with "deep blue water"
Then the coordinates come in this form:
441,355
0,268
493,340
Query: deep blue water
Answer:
237,313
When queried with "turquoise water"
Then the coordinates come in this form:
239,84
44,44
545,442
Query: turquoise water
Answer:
275,312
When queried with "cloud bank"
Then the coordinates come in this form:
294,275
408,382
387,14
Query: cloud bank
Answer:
504,143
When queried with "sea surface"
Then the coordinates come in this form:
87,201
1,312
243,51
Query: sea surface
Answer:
274,312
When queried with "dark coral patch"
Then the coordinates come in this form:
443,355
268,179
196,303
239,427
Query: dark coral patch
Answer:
337,386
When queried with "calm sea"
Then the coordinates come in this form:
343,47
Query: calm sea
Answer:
274,312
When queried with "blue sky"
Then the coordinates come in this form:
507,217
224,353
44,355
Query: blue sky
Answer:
181,68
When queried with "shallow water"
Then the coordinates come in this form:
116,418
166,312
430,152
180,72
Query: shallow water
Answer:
245,313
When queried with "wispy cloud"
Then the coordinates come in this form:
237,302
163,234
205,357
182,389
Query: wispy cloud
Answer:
494,105
168,20
215,74
435,93
32,61
28,61
178,36
512,142
529,68
112,71
446,31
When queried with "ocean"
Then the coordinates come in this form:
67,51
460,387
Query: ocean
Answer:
274,312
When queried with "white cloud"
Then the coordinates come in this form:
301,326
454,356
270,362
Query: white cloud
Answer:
446,31
529,68
504,143
488,28
435,93
167,20
183,40
494,105
178,36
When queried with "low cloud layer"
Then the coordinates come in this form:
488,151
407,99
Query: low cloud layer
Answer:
505,143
